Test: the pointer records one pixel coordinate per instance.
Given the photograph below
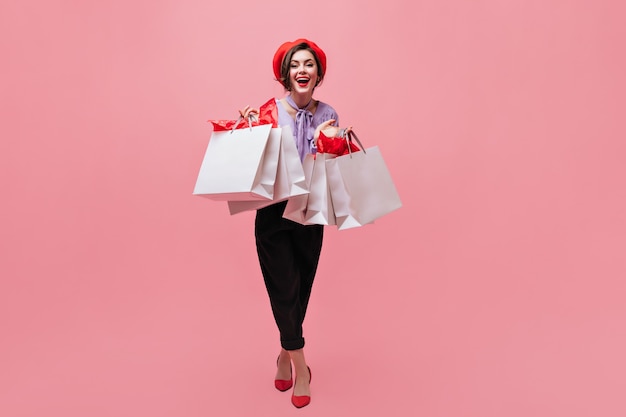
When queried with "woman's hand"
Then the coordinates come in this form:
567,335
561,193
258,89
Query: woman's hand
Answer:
330,130
249,112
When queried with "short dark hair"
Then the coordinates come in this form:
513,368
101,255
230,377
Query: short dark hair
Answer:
286,65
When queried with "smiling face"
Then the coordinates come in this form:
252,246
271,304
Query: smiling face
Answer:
301,71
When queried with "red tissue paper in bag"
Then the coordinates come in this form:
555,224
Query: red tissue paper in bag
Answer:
268,115
335,146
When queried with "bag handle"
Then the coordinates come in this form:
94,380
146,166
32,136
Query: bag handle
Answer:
251,118
348,137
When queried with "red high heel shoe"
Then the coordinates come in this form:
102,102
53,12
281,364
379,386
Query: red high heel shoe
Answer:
300,401
283,384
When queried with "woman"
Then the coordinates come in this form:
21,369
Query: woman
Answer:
289,252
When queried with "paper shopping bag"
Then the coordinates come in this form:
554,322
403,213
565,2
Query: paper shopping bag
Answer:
361,188
290,178
240,164
295,210
319,207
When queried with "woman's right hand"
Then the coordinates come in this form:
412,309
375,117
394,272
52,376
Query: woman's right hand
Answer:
249,111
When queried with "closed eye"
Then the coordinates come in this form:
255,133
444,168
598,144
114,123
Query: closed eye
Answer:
307,62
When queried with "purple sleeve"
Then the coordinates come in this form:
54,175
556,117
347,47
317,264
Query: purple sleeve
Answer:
324,112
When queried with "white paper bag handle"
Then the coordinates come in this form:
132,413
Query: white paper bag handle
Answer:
348,137
251,117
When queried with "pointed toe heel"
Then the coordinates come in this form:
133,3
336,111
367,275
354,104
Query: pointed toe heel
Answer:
300,401
283,384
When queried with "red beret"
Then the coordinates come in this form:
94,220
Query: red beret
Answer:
285,47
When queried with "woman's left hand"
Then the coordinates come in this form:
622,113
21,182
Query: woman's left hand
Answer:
329,130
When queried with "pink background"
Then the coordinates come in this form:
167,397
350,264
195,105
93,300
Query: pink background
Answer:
497,290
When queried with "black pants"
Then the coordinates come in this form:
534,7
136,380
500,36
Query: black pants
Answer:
288,254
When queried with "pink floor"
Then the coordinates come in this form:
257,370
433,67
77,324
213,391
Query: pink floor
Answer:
471,337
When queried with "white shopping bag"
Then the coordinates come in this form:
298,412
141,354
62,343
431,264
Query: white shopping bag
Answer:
295,209
290,178
361,188
319,207
240,164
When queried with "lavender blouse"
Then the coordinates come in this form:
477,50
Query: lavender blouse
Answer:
304,125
